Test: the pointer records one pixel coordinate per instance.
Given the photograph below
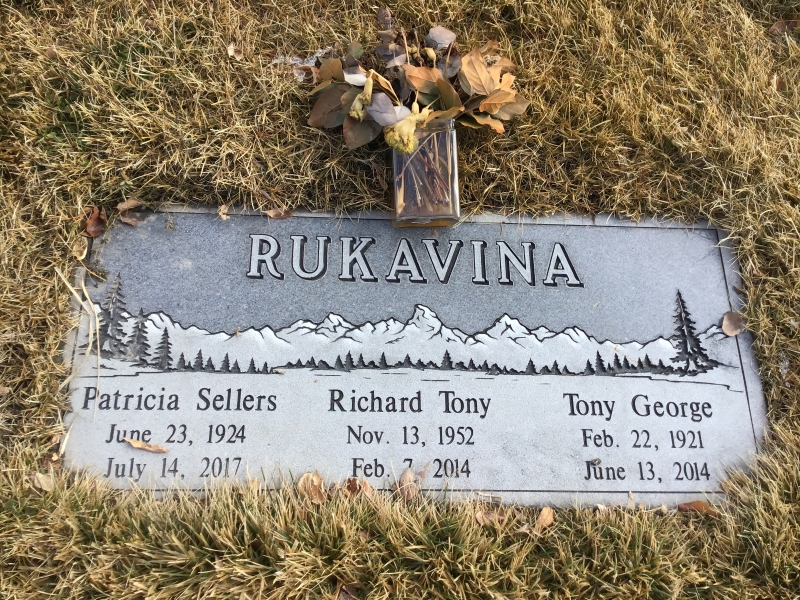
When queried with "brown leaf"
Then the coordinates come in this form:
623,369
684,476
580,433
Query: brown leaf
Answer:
359,133
407,486
544,520
278,213
44,481
327,112
347,592
4,389
331,68
355,75
732,323
448,94
450,66
129,204
234,52
384,17
322,87
222,212
450,113
312,487
490,517
440,38
127,217
496,100
489,122
155,448
308,73
348,98
700,506
491,48
79,248
51,54
351,487
515,109
386,86
783,26
507,81
468,120
363,535
355,49
96,223
473,76
499,68
424,79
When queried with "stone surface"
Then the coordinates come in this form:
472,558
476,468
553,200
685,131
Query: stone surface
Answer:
553,361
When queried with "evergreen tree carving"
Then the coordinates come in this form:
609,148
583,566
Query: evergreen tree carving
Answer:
181,366
198,361
209,365
225,367
447,362
236,368
599,365
382,364
589,370
531,368
111,333
348,362
265,368
691,356
163,359
138,348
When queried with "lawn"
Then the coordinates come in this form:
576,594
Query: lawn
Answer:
679,109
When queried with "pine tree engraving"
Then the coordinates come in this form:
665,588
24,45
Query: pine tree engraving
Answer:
181,366
163,357
225,367
198,361
111,333
691,356
252,368
447,362
138,348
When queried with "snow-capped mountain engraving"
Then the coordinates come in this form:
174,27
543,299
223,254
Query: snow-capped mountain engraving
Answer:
422,341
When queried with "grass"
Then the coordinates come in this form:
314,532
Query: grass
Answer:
682,109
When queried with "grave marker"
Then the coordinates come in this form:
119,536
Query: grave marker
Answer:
547,361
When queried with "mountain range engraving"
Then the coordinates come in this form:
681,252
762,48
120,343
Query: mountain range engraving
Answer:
156,340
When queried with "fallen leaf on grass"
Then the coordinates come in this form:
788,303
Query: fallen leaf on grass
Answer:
222,211
234,52
4,390
783,26
44,481
490,122
514,109
448,94
423,79
358,133
544,520
440,38
139,445
406,486
383,111
700,506
51,54
124,209
306,73
385,85
278,213
384,16
490,517
732,323
312,487
80,247
96,223
443,115
327,111
347,592
496,100
353,487
331,68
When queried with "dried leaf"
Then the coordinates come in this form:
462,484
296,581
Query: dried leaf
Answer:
473,76
507,81
732,323
363,535
127,217
499,68
450,113
129,204
306,72
44,481
384,17
386,86
424,79
490,517
155,448
468,120
355,76
382,110
222,212
96,223
515,109
327,110
397,61
544,520
355,49
358,133
234,52
489,122
388,36
448,94
347,592
50,54
79,248
348,98
322,87
353,487
783,26
451,66
312,487
491,48
331,68
631,501
278,213
496,100
4,389
407,486
440,38
700,506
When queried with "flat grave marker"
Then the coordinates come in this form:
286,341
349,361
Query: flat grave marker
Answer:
549,361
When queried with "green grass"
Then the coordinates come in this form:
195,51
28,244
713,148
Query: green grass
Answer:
679,109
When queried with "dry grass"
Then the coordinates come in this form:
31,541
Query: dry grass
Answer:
683,109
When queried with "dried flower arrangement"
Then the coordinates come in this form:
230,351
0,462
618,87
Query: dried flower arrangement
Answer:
412,90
